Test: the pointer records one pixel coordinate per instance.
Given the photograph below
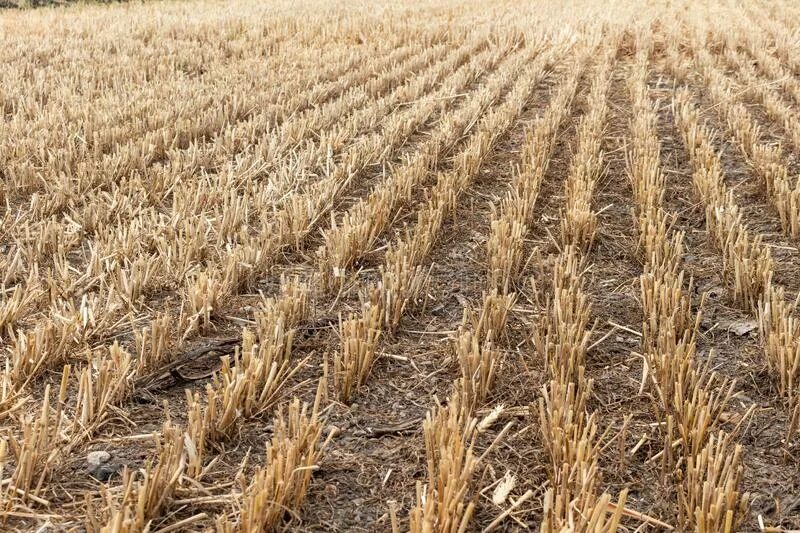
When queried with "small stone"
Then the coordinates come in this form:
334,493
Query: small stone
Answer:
330,430
745,399
716,292
99,465
98,458
742,327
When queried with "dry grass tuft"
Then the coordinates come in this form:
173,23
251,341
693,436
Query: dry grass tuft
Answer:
146,494
710,500
102,386
353,363
573,445
36,451
281,484
562,337
441,504
479,365
780,334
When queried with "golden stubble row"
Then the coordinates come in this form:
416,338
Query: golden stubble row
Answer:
568,428
746,260
579,221
690,398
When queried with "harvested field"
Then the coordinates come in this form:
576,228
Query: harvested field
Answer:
395,266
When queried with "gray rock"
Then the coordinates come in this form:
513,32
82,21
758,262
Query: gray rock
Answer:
98,458
742,327
100,466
